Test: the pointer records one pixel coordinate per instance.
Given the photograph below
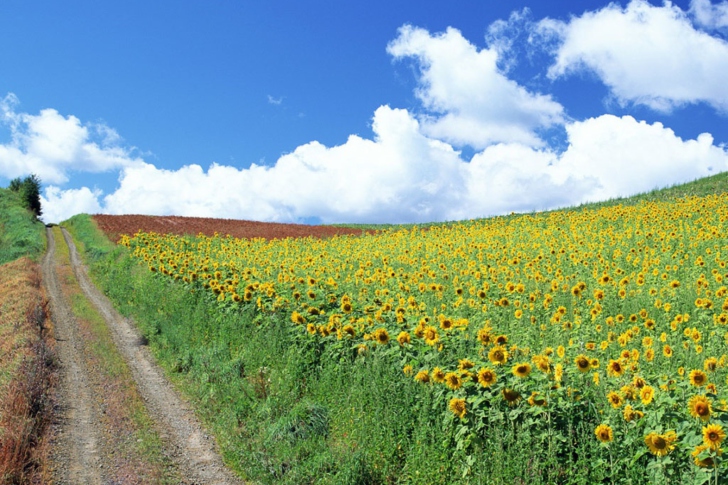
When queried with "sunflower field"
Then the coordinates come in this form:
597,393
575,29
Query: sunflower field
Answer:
598,333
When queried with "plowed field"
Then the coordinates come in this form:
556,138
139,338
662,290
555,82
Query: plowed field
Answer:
115,226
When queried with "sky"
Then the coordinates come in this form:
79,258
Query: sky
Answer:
358,112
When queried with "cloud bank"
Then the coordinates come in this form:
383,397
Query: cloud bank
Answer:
412,169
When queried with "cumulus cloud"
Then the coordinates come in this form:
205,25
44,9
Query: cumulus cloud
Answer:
472,102
710,16
646,55
51,145
59,205
401,175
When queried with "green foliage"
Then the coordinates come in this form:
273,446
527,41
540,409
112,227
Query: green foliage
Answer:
21,234
29,189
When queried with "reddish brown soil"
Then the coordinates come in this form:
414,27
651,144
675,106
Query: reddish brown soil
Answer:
115,226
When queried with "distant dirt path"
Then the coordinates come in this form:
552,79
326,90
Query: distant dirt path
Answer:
188,444
77,450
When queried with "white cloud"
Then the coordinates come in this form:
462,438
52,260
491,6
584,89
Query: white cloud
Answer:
276,101
51,145
710,16
404,176
645,54
59,205
472,101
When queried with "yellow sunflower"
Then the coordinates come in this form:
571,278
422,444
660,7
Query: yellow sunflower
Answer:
582,363
661,444
522,369
498,355
604,433
647,393
458,407
699,407
438,375
511,395
707,460
615,368
487,377
713,436
453,381
698,378
615,400
423,376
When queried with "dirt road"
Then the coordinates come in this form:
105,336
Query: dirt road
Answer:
190,448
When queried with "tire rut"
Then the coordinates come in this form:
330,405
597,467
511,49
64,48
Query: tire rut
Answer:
187,442
77,451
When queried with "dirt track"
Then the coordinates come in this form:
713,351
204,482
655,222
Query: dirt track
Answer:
78,447
77,451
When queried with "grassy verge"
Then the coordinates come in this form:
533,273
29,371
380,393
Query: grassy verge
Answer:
134,449
286,409
26,372
20,233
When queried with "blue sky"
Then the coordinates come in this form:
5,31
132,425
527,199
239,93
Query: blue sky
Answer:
324,111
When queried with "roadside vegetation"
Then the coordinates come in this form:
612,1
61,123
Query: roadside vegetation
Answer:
27,362
576,346
132,449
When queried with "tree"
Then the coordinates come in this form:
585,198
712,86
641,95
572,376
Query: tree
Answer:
29,188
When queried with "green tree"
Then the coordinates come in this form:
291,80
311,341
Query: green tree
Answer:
29,187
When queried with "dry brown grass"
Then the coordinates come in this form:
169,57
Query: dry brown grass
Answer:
26,372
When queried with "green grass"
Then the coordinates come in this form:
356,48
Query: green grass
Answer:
293,411
20,233
133,430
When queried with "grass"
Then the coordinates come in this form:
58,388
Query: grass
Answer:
21,234
136,446
286,409
26,372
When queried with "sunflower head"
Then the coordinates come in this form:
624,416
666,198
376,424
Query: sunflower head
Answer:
604,433
458,407
438,375
698,378
713,436
701,456
423,376
661,444
522,369
453,380
498,355
582,363
615,400
487,377
699,407
511,395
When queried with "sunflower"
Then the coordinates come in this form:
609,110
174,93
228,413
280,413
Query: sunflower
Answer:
699,407
522,369
710,364
498,355
423,376
631,414
582,363
661,444
457,406
311,328
615,368
431,336
558,372
698,378
381,336
543,363
647,393
713,436
453,381
707,460
407,370
485,336
511,395
465,364
346,307
403,338
604,433
536,399
487,377
615,400
438,375
667,351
